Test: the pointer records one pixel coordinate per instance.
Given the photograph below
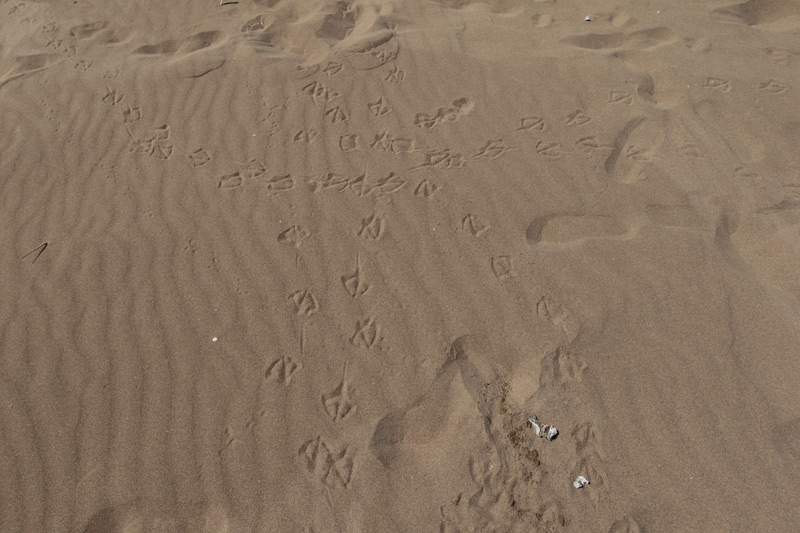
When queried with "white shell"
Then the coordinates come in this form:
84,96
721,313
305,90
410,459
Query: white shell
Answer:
580,482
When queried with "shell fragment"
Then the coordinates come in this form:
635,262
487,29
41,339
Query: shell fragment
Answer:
543,430
580,482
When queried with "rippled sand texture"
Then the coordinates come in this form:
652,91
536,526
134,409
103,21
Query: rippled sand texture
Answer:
284,265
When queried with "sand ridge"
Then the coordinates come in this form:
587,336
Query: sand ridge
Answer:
277,265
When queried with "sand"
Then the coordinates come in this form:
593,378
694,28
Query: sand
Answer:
283,265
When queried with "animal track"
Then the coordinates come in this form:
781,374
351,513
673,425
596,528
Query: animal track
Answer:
619,97
230,181
395,75
340,403
363,186
717,83
253,169
58,45
442,159
474,224
532,123
372,227
638,153
337,114
379,108
84,65
587,439
385,142
305,304
332,469
551,150
390,183
368,334
306,136
281,183
780,55
590,144
493,149
360,185
294,236
199,157
112,97
319,93
491,507
561,318
283,369
460,107
426,188
161,151
332,69
156,145
132,114
578,118
773,87
559,368
330,180
503,267
348,143
354,284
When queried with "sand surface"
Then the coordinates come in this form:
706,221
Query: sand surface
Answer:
284,265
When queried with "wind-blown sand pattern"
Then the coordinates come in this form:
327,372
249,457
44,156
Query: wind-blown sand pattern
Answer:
284,265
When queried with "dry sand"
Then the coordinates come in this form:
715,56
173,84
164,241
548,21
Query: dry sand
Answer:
287,265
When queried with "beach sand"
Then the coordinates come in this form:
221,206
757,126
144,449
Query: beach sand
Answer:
311,266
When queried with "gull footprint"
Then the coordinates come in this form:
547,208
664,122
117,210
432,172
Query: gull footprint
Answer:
372,227
354,284
339,403
305,304
283,369
294,236
330,468
475,225
368,333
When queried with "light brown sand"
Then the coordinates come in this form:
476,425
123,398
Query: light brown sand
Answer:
409,226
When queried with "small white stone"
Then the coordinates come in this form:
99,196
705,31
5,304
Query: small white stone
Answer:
588,18
214,339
